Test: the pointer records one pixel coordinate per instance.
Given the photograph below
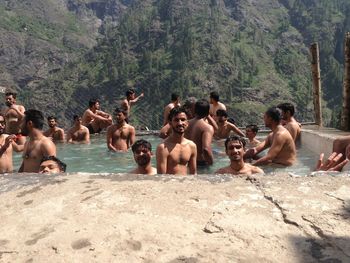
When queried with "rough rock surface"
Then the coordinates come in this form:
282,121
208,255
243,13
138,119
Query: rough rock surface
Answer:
125,218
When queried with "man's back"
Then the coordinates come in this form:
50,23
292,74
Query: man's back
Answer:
294,129
214,108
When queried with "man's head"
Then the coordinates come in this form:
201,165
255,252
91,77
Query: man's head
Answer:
120,115
77,119
175,97
251,131
189,106
33,119
234,146
2,124
201,108
52,165
10,97
51,121
287,109
130,94
178,120
142,151
214,97
272,117
94,104
221,116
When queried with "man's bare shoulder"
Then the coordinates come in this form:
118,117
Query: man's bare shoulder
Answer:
130,127
189,142
254,169
223,170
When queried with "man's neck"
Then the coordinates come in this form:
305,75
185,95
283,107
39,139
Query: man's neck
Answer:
121,124
274,127
176,137
237,165
36,135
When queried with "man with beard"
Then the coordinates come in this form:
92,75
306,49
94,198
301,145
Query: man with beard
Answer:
38,146
13,116
54,132
95,119
289,121
7,145
176,153
234,146
225,127
120,136
78,133
282,147
142,151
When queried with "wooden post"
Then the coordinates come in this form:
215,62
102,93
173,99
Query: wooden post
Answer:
316,80
345,116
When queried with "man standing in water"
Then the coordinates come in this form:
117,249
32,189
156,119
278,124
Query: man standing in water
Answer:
120,136
234,146
54,132
282,147
201,133
288,117
95,119
142,151
78,133
38,146
175,102
176,153
215,104
129,100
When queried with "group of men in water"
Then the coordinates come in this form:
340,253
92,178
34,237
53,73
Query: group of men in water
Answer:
188,132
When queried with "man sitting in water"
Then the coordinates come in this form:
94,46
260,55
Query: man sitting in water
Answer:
120,136
95,119
289,121
225,127
234,146
176,153
54,132
78,133
142,151
282,147
38,146
251,132
52,165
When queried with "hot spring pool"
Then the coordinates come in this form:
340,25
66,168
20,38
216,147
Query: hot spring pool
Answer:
95,158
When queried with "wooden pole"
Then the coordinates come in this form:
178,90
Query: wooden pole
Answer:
345,116
316,79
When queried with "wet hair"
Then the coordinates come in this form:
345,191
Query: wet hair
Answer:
253,127
235,138
92,102
143,143
129,92
51,118
36,117
214,95
287,107
61,164
221,113
201,108
117,110
75,117
175,111
174,96
274,113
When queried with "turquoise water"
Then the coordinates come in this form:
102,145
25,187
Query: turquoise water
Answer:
95,158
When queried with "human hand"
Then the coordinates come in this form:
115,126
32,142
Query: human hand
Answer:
250,153
141,95
332,163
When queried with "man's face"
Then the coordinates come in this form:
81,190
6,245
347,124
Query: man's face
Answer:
97,105
119,117
131,96
52,123
221,119
249,133
235,150
77,121
267,120
284,114
24,127
2,125
179,123
142,156
10,100
49,167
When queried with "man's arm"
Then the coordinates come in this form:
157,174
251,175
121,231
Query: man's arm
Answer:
110,139
132,136
212,122
19,109
235,129
8,141
274,150
61,135
69,136
87,136
207,138
136,99
48,148
192,163
162,159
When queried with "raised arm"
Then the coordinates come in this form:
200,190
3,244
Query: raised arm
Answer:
162,157
136,99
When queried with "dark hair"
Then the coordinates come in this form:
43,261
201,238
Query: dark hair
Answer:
189,102
61,164
253,127
129,92
214,95
142,143
221,113
274,113
92,102
231,120
36,117
117,110
10,92
51,118
175,111
76,116
174,96
201,108
235,138
287,107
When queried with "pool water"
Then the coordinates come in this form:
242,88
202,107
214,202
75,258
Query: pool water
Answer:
95,158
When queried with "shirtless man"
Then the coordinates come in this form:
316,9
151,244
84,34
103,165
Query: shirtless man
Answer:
7,145
13,115
52,165
129,100
78,133
120,136
95,119
215,104
234,146
54,132
250,132
142,151
176,153
175,102
282,147
289,121
201,133
38,146
225,127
